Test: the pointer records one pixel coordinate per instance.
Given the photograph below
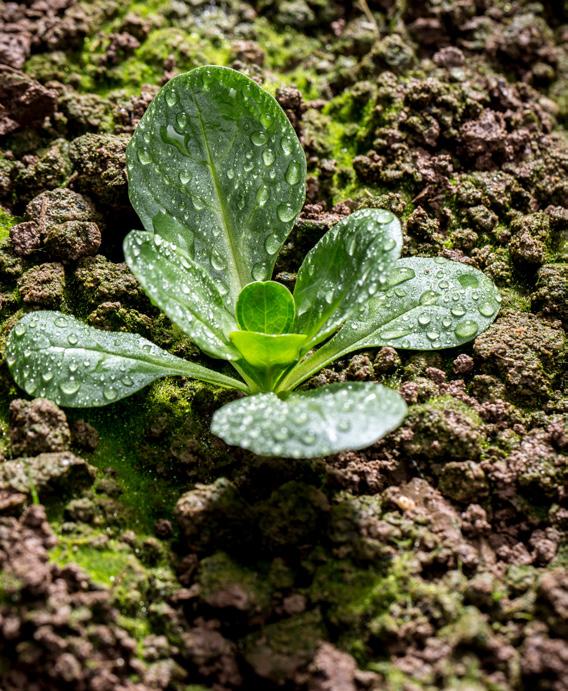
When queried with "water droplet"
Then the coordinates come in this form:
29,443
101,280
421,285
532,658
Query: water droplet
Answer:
217,261
171,136
184,177
468,281
258,138
60,322
344,425
487,309
258,272
230,173
171,97
424,319
72,339
432,335
285,213
286,145
265,120
109,393
19,330
197,202
394,333
272,244
293,173
389,244
70,388
127,381
182,121
47,376
268,157
144,157
262,195
458,311
429,297
466,329
400,275
383,216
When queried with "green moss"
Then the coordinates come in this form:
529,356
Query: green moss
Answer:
145,495
107,567
449,403
6,222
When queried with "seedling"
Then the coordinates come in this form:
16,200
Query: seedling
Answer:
217,177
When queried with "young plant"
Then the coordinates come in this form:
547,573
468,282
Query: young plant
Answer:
217,177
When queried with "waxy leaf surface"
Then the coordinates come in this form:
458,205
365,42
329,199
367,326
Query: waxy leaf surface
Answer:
216,153
344,270
183,291
267,307
311,423
58,357
267,350
431,304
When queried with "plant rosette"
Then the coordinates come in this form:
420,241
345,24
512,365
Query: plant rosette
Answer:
217,176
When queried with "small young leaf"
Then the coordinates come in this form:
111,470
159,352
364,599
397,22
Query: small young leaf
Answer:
183,290
267,350
346,267
267,307
431,304
311,423
216,153
58,357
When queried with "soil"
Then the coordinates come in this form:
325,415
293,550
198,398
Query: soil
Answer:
137,551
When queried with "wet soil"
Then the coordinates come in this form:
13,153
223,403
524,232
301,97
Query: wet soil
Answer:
138,552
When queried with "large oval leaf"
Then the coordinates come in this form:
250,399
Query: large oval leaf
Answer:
267,307
216,154
431,304
58,357
183,290
311,423
344,270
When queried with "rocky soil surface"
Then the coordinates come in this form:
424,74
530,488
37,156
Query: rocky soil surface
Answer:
137,551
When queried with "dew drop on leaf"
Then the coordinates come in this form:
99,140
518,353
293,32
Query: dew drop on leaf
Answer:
262,195
433,335
109,393
19,330
70,388
144,157
466,329
182,121
429,297
293,173
171,97
184,177
230,173
424,319
268,157
271,244
285,213
258,138
47,376
487,309
458,311
400,275
72,339
286,146
468,281
384,216
258,272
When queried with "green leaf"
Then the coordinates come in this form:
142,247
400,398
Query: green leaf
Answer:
216,154
56,356
431,304
346,267
311,423
267,307
183,290
267,350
